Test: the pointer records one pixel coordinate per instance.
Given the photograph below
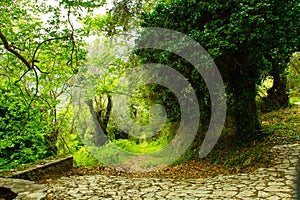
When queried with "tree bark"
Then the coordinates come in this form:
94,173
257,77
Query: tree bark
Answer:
246,113
99,137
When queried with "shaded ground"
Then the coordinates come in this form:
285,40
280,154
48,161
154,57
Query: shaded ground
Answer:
7,193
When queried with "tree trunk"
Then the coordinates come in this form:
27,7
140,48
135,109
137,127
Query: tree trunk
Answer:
240,78
103,114
246,114
99,137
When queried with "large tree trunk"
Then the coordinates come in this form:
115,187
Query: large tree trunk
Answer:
246,114
103,115
240,79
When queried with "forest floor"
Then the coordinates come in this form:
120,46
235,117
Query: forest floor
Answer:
282,127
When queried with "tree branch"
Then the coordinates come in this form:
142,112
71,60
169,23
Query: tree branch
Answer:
13,51
40,44
22,76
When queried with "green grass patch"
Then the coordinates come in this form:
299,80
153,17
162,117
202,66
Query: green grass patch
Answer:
83,158
295,99
119,151
284,124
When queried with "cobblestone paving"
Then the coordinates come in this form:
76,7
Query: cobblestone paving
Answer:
276,182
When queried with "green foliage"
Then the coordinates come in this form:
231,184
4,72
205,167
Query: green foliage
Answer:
41,50
294,78
144,146
68,140
23,139
122,17
38,59
83,158
245,38
110,152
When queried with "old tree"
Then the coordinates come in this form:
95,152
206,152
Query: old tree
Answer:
246,39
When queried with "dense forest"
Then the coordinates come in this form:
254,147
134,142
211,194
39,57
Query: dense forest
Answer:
111,81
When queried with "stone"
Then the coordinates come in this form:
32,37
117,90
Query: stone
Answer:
278,189
263,194
246,193
276,182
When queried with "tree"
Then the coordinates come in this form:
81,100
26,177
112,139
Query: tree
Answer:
285,40
243,37
41,49
103,67
122,17
38,59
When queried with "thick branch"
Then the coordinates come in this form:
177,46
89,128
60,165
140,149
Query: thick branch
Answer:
10,49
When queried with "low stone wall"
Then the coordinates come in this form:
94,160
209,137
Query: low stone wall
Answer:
13,185
41,171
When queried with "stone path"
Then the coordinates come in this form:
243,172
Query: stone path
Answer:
273,183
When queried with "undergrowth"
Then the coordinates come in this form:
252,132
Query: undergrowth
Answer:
280,127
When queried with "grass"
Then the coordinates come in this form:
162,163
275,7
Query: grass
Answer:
284,124
294,100
282,127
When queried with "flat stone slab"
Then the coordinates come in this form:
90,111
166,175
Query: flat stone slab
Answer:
26,190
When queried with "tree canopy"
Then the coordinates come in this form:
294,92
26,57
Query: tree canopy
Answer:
40,53
245,38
